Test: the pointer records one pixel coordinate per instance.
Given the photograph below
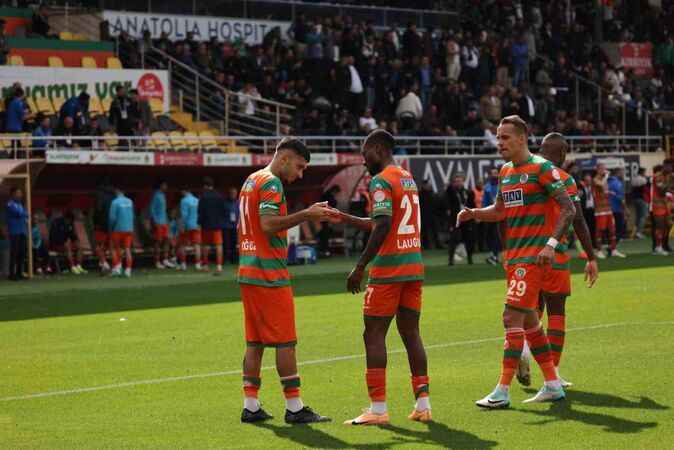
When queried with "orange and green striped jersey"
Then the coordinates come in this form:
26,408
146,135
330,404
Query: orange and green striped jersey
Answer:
552,211
659,205
525,190
602,207
263,258
394,193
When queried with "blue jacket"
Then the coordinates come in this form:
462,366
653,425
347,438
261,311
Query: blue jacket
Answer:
158,208
14,118
231,214
71,108
489,195
17,218
189,212
211,210
616,194
121,215
174,231
41,132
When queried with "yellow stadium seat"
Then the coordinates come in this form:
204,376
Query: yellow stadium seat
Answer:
95,106
55,61
44,106
58,102
177,140
16,60
158,140
105,103
192,141
208,140
89,63
66,36
79,37
114,63
111,140
32,105
157,106
26,140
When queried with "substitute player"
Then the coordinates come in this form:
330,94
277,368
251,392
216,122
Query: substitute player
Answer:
557,278
660,209
121,223
526,183
160,227
603,215
190,233
266,294
395,279
211,220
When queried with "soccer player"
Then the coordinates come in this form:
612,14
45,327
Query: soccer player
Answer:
160,228
121,221
395,278
605,224
211,219
190,234
660,209
526,183
105,194
266,294
556,285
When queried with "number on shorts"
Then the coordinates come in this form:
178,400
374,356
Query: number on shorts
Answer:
368,295
405,227
517,288
243,214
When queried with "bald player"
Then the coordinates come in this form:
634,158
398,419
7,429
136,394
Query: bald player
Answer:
557,277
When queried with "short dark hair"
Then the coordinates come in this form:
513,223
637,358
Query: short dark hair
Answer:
380,137
119,88
294,144
517,122
18,92
208,182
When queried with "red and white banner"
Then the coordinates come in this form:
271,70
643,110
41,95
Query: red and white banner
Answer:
100,158
178,159
227,160
637,57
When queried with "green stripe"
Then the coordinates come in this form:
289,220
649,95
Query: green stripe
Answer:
421,390
397,259
277,242
533,241
400,279
515,179
563,266
409,310
291,383
262,263
55,44
532,199
282,344
8,12
365,316
556,348
555,332
515,354
526,221
524,260
538,350
255,381
378,179
281,282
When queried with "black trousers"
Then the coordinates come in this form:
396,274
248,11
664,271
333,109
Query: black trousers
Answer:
17,255
231,250
493,239
457,235
588,213
620,226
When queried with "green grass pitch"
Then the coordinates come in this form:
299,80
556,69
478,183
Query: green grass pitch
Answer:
154,362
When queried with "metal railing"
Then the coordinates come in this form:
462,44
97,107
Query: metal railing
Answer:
405,145
232,112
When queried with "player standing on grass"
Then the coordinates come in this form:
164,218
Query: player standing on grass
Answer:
660,209
396,277
266,294
121,222
605,223
557,278
160,227
526,183
190,233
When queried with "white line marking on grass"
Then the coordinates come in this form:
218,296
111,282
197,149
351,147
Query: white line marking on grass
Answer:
303,363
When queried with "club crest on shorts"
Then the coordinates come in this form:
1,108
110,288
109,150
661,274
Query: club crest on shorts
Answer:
520,272
524,178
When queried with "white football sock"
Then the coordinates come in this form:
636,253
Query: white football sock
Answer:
378,407
526,351
294,404
252,404
554,384
503,387
423,403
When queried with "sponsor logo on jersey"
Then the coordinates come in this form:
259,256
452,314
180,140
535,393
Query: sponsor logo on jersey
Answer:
408,184
513,198
248,246
249,185
520,272
379,196
524,178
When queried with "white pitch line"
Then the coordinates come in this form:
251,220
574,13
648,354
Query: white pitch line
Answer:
303,363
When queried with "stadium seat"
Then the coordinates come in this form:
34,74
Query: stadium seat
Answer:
111,140
32,106
66,36
26,140
208,140
16,60
177,140
44,106
58,103
158,141
95,106
192,141
79,37
157,106
89,63
105,103
5,143
55,61
114,63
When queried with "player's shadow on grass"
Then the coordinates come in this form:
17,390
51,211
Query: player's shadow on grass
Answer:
311,436
564,410
441,435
